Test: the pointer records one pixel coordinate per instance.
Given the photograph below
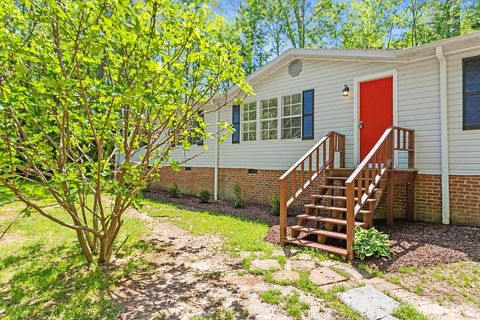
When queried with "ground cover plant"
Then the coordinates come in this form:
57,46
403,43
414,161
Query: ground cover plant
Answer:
86,84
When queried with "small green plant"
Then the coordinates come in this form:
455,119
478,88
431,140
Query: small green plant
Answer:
296,307
204,196
371,243
275,204
174,191
238,199
272,296
408,312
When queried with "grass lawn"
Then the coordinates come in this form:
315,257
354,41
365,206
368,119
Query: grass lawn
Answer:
43,275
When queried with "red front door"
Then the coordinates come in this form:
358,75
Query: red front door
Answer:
376,112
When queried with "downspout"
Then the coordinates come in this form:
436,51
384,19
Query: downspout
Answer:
217,156
444,135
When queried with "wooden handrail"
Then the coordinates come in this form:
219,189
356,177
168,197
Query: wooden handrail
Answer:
317,160
375,166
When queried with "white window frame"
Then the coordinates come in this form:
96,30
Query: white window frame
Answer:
281,116
268,119
242,121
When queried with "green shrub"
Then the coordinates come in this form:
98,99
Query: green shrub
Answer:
275,204
371,243
238,199
174,191
204,196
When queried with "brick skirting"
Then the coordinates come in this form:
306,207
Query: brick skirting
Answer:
258,188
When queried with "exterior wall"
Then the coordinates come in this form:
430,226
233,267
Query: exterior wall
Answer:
418,107
464,145
258,188
188,182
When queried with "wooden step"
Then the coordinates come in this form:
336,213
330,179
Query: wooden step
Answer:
328,220
327,196
321,232
339,209
316,245
340,187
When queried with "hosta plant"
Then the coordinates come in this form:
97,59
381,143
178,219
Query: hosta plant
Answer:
371,243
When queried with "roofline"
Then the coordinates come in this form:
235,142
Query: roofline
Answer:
411,54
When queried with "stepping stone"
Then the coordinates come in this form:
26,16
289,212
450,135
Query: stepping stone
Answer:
300,264
286,276
265,264
369,302
354,274
323,276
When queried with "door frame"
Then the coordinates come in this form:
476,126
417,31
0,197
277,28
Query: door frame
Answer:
356,108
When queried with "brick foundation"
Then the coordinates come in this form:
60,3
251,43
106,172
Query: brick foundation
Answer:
258,188
188,182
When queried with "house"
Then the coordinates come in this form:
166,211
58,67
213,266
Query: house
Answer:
419,108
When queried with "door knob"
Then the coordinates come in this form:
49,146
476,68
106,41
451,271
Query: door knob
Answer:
360,125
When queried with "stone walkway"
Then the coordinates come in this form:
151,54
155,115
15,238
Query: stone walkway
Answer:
370,297
193,277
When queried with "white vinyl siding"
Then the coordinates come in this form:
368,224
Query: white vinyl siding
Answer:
418,107
249,121
464,145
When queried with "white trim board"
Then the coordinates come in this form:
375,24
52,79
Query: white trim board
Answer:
356,108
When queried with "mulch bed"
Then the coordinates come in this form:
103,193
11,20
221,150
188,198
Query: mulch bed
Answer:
426,244
414,243
255,212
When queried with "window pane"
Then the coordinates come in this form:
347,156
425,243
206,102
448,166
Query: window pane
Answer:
472,110
296,98
472,75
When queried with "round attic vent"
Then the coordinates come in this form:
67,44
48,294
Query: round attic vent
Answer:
295,68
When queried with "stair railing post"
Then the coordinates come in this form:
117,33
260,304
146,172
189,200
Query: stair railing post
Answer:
283,210
411,150
390,182
331,151
350,219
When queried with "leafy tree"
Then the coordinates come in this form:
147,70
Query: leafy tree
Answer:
250,20
83,83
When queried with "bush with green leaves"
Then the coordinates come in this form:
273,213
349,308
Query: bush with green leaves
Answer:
238,199
371,243
275,204
174,191
85,84
204,196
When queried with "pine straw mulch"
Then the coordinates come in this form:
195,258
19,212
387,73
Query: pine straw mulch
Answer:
414,243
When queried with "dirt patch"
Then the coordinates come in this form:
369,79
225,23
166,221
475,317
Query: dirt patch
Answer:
192,276
254,212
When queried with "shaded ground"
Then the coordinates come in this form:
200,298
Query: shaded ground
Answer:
255,212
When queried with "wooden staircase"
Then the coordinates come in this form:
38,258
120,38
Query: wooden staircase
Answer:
347,198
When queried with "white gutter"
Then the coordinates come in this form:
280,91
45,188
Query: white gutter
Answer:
217,156
444,135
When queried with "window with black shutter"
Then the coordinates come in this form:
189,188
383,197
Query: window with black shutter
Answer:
236,124
471,93
307,114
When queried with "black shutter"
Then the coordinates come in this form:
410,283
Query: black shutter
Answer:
236,124
200,141
307,114
471,93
